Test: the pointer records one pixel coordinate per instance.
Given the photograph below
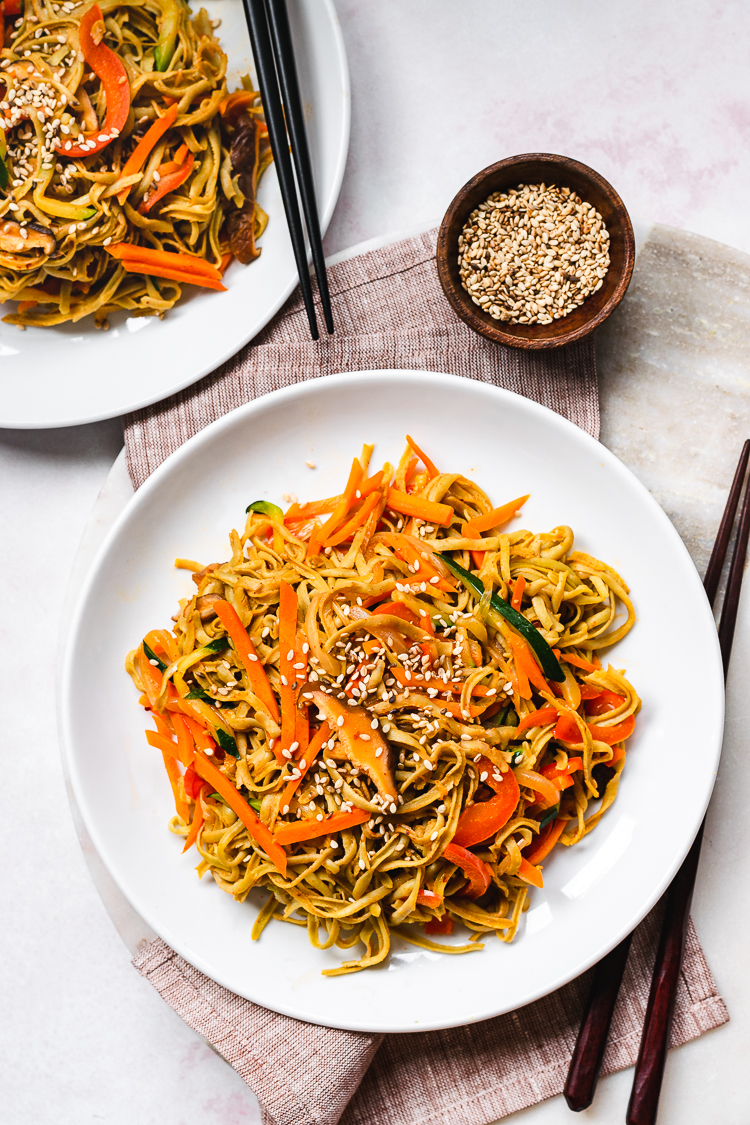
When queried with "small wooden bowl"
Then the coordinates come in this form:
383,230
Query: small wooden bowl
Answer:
537,168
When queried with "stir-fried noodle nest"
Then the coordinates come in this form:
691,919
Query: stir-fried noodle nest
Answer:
81,88
365,735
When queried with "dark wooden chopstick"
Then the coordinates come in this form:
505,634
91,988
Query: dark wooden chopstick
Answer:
649,1068
260,38
588,1053
281,37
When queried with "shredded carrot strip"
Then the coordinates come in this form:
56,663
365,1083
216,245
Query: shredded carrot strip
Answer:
428,510
184,263
137,158
310,829
518,588
287,659
321,736
132,266
432,472
359,517
494,518
174,775
245,648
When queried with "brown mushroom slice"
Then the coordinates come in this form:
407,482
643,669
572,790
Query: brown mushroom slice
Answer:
205,605
363,746
12,241
199,575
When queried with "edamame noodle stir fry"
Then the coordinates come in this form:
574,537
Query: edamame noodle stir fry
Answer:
387,710
127,168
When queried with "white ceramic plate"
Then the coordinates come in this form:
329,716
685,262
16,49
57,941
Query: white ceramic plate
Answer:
594,893
72,374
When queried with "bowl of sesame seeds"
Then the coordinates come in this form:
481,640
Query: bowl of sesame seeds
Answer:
536,251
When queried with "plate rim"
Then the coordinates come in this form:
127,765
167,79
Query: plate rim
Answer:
337,38
142,495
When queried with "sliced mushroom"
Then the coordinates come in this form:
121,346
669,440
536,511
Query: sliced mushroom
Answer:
205,605
12,241
199,575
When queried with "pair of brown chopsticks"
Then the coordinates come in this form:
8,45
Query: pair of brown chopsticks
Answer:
271,38
592,1037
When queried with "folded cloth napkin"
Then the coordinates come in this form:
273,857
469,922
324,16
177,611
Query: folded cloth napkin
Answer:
390,313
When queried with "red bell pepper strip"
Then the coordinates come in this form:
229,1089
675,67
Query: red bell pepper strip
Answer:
429,898
557,775
442,925
604,702
567,731
108,68
168,183
485,818
475,869
537,719
311,829
245,648
545,841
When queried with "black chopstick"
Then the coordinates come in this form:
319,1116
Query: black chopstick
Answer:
257,24
281,36
649,1068
588,1053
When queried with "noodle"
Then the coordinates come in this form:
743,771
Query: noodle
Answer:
192,193
414,746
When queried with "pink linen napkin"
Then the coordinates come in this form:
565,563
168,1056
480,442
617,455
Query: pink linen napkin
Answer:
390,313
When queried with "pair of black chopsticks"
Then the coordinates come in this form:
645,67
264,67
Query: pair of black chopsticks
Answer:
271,38
592,1037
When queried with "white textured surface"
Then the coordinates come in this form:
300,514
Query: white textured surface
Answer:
656,97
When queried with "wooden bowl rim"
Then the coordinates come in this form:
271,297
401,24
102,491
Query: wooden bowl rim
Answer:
459,298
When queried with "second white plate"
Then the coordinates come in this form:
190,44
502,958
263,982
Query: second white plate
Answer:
594,893
72,374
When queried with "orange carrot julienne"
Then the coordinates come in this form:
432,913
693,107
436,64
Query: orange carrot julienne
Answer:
184,739
525,663
201,738
578,662
159,742
174,775
168,182
518,588
311,829
496,517
205,768
245,648
321,736
432,472
428,510
530,874
184,263
131,265
345,503
137,158
359,517
287,659
197,822
316,540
